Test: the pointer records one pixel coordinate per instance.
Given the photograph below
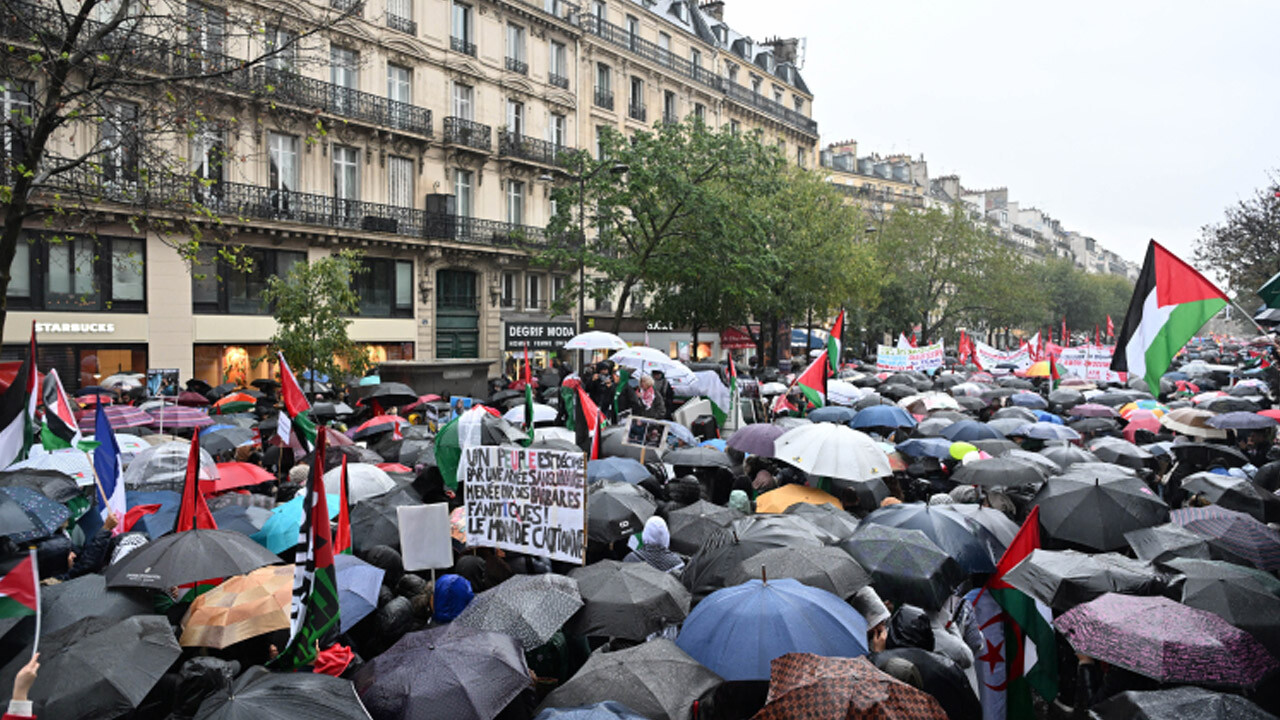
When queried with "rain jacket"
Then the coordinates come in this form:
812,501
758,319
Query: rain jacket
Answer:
453,594
656,548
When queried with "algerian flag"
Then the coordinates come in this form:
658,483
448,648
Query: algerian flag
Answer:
1171,302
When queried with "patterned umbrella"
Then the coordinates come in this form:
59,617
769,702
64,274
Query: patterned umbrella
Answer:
176,416
68,461
805,685
530,608
26,514
1234,533
243,607
1166,641
118,416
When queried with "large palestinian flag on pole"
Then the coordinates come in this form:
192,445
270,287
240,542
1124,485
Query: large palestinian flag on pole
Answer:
18,410
813,381
1171,302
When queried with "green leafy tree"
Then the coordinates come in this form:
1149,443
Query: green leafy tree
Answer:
1244,249
312,307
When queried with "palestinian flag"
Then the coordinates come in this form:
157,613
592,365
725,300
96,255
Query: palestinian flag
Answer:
733,380
590,420
314,614
60,429
18,410
342,541
296,408
528,397
833,343
1270,292
1054,376
20,589
193,512
1171,302
1031,656
813,381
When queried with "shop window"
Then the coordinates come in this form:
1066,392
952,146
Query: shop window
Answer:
385,288
219,287
78,273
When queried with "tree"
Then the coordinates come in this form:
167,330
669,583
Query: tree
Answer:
683,185
1083,299
312,307
1245,248
115,103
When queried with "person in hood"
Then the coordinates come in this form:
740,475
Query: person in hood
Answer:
453,595
656,549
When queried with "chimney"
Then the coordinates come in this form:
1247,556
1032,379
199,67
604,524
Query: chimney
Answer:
714,8
784,51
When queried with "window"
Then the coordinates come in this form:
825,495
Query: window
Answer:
515,42
558,65
515,202
385,287
800,156
78,273
799,101
282,50
462,191
508,289
695,59
463,105
400,181
558,284
346,173
69,273
755,84
462,30
402,10
127,281
600,11
206,27
637,92
218,287
669,106
700,111
735,127
732,71
633,31
677,9
600,132
15,109
664,42
343,66
533,292
400,92
515,117
558,127
120,142
604,78
208,151
284,161
777,94
457,320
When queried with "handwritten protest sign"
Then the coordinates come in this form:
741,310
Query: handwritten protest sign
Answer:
527,501
991,358
891,359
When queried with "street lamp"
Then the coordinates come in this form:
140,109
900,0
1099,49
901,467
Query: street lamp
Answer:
617,170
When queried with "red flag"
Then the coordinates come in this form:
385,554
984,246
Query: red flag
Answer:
1111,328
342,540
1065,341
1097,337
194,513
591,414
528,368
136,513
913,340
20,589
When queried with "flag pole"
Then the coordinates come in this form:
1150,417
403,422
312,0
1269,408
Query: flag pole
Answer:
106,501
35,573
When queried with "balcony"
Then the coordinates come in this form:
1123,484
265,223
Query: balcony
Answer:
352,6
636,111
604,99
517,66
462,46
483,232
459,131
559,81
402,24
669,117
294,89
523,147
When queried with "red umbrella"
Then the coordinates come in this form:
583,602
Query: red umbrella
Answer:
379,424
119,416
1141,420
234,475
394,468
192,399
423,400
1273,414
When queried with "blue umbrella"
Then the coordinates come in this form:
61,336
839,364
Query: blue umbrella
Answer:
358,584
926,447
620,469
280,532
833,414
716,443
882,416
970,430
1044,416
1046,431
600,711
216,428
1028,400
736,632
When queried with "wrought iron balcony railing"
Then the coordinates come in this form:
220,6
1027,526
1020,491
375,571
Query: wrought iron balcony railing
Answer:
462,46
559,81
604,99
294,89
515,145
459,131
403,24
347,5
517,66
636,111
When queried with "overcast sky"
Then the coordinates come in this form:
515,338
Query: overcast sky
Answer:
1124,120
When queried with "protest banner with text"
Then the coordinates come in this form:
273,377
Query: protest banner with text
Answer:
892,359
527,501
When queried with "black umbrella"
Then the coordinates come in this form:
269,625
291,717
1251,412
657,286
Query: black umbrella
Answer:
627,600
67,603
26,514
712,567
972,546
775,530
1179,703
1066,397
1202,456
445,672
999,471
1097,512
995,447
1120,452
54,485
188,557
828,517
698,457
225,440
905,565
931,427
655,679
1243,596
941,678
101,667
1064,579
504,395
828,568
374,521
617,510
1020,413
331,411
1112,399
1016,383
1237,536
971,404
389,395
1168,541
1047,466
691,525
996,522
1231,404
1235,493
259,694
1094,425
216,393
897,392
530,608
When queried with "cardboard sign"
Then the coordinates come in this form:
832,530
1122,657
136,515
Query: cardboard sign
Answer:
527,501
892,359
645,433
1091,362
424,536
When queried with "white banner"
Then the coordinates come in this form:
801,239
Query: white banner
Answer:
528,501
891,359
1091,362
990,358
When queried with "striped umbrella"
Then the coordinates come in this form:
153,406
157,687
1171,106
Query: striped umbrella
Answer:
176,416
119,416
